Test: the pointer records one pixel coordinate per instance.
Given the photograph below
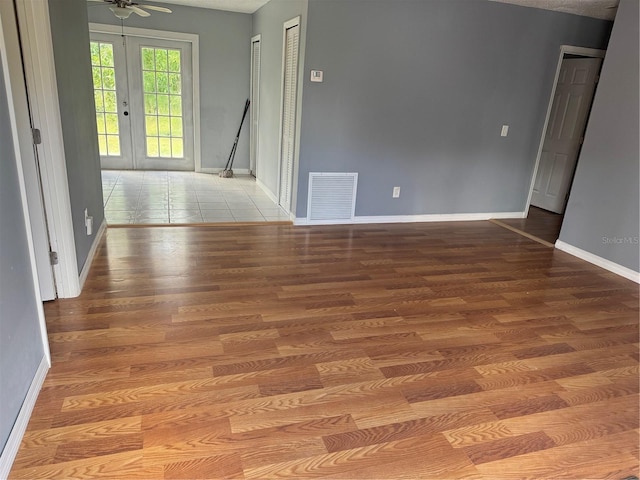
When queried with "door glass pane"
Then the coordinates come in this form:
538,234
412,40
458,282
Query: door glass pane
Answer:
162,85
104,89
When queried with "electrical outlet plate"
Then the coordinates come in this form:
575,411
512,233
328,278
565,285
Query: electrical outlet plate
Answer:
396,192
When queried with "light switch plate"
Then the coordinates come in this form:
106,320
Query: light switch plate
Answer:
505,131
316,75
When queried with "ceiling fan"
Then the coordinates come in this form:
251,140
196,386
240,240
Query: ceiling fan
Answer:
124,8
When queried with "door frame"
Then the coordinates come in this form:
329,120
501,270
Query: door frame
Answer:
23,196
191,38
35,35
287,25
569,50
28,150
255,110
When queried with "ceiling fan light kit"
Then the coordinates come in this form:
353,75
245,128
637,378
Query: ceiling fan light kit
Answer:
124,8
121,12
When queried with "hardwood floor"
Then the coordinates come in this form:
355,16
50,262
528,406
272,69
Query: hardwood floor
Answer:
458,350
540,223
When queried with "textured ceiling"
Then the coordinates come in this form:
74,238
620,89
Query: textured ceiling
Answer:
589,8
242,6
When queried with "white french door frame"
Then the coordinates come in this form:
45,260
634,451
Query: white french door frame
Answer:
296,21
191,38
564,50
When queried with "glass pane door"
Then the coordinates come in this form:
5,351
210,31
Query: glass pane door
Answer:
162,99
110,95
162,88
144,102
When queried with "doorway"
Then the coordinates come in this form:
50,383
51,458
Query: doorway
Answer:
577,75
143,90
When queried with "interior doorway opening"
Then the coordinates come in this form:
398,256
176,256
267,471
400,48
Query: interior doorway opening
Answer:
576,79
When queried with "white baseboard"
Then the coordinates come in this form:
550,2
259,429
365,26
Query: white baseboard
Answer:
17,432
266,190
237,171
599,261
92,253
445,217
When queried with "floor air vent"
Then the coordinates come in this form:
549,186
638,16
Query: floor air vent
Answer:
332,197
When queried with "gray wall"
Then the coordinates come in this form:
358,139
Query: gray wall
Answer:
70,35
602,213
415,94
21,348
268,21
224,39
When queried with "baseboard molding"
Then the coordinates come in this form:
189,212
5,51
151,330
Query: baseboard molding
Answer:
17,432
237,171
267,192
445,217
92,253
599,261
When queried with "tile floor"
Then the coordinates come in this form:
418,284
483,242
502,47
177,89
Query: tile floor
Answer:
152,197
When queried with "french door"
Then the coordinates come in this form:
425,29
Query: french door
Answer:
143,91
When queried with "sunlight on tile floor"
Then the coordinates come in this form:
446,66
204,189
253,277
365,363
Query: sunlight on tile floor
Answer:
152,197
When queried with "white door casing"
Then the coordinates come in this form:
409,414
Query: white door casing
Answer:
6,44
569,112
255,104
35,34
289,108
163,140
28,153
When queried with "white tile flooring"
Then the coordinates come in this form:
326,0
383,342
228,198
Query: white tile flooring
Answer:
158,197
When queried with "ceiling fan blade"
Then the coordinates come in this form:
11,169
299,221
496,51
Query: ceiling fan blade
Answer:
157,9
101,1
139,11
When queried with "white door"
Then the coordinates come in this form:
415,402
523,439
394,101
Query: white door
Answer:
569,112
28,153
255,103
144,102
289,104
111,94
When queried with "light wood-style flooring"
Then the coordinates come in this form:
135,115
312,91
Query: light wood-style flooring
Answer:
411,351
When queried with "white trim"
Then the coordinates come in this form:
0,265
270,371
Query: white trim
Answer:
23,200
266,190
92,253
296,21
35,33
216,170
435,217
599,261
255,107
20,426
569,50
192,38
